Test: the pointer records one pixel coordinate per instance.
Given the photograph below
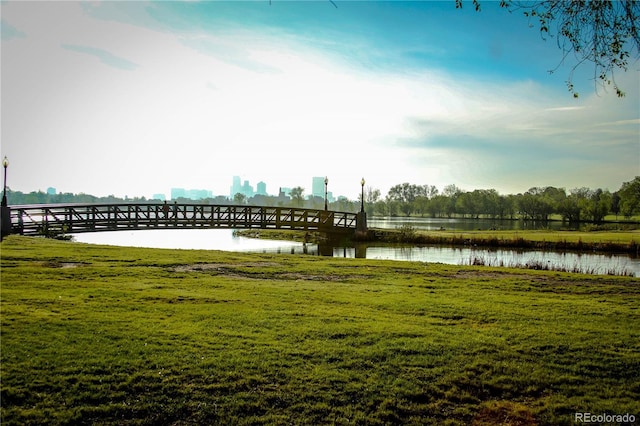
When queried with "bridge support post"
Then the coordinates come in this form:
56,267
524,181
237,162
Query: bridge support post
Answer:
361,222
326,221
5,221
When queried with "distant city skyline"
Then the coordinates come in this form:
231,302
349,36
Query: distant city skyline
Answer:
244,187
194,194
133,98
314,190
317,190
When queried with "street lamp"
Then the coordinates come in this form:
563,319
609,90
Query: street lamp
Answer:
5,164
362,195
326,182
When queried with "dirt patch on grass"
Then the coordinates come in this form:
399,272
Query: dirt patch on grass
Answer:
505,413
63,265
253,271
475,273
221,267
319,277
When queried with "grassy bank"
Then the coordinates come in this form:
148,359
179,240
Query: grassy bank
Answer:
113,335
604,241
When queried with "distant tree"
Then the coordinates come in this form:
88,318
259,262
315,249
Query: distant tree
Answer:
239,198
600,205
430,191
630,197
422,201
380,207
421,204
534,205
391,206
570,208
436,206
492,203
371,197
604,33
451,192
297,196
404,194
593,204
586,204
615,204
554,196
508,206
220,199
468,203
315,202
343,204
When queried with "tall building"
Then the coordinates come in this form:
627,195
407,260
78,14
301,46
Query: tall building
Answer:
261,188
199,194
284,192
317,186
178,193
191,194
236,187
247,189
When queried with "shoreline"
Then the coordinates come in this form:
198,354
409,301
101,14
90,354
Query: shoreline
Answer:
599,241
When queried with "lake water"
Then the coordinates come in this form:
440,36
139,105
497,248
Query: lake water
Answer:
223,239
458,224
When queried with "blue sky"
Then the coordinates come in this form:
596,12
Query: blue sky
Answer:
133,98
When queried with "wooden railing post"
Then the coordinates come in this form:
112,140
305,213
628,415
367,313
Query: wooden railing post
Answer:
5,221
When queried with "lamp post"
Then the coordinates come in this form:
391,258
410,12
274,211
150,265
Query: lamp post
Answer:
5,164
5,211
362,195
326,182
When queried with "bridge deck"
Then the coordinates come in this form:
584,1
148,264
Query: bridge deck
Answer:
45,219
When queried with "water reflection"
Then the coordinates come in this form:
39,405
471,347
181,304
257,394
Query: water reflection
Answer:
457,224
594,263
211,239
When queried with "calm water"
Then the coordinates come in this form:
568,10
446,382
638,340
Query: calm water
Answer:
223,239
463,224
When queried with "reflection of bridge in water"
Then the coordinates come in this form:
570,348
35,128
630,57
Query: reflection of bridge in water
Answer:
47,219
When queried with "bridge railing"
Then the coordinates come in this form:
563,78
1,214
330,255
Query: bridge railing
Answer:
45,219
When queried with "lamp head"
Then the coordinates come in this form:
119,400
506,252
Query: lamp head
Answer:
5,162
362,182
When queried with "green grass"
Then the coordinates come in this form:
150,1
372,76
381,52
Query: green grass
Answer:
111,335
603,237
603,241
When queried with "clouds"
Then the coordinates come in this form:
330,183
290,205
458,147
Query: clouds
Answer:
9,31
511,137
105,57
146,96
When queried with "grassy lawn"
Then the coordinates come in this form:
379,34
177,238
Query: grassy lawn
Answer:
603,238
110,335
602,241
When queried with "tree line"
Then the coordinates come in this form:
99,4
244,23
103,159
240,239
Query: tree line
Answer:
295,198
538,203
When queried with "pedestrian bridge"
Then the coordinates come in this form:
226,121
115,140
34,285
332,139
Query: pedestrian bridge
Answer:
52,219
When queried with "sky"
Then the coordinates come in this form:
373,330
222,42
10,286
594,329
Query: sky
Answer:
134,98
